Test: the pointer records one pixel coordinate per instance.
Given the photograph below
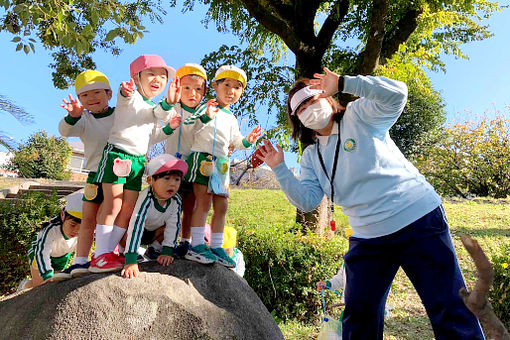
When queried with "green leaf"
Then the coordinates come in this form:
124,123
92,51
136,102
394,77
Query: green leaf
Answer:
19,46
16,39
26,49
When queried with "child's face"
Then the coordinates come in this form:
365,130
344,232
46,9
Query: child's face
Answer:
166,186
70,227
153,81
228,91
193,90
95,101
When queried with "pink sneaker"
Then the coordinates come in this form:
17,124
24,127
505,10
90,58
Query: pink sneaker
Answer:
108,262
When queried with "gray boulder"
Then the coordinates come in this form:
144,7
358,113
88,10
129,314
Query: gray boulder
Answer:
185,300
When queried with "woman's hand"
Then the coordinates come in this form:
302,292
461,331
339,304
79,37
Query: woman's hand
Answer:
130,271
326,82
165,260
270,155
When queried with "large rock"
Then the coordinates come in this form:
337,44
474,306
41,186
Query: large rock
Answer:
183,301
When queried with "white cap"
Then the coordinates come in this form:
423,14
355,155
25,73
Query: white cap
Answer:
165,162
233,72
300,96
73,204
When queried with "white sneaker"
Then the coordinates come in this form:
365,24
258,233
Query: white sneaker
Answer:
22,285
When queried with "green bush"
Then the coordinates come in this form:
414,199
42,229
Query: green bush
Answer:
499,295
20,220
43,156
282,268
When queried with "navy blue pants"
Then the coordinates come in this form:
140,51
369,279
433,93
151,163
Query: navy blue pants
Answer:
425,252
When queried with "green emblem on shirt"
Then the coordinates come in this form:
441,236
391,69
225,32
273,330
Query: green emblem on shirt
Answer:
349,145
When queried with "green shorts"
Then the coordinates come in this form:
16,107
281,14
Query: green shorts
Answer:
200,167
57,263
93,192
105,174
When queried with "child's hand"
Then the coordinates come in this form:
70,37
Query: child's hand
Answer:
130,271
230,149
73,107
212,108
174,92
165,260
128,88
175,121
321,285
254,134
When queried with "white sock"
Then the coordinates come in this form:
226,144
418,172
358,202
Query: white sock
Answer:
141,250
216,240
197,236
116,236
103,234
80,260
156,245
121,249
185,240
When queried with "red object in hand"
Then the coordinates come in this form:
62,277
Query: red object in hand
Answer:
333,225
255,161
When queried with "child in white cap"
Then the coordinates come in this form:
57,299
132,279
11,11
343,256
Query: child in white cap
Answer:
190,89
121,167
158,204
90,118
53,246
215,128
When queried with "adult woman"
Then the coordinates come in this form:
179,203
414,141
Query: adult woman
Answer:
396,215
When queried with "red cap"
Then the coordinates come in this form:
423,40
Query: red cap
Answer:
146,61
164,163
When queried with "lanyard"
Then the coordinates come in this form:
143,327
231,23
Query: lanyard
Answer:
332,178
214,140
178,154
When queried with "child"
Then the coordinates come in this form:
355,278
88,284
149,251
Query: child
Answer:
214,130
159,204
121,167
91,119
191,87
52,247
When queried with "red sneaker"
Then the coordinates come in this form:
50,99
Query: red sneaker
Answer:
108,262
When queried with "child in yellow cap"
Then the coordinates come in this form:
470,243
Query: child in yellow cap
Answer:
190,88
215,128
230,246
53,246
90,118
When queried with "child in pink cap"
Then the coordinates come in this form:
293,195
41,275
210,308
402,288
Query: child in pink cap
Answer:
121,167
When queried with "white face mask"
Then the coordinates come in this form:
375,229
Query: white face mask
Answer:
316,116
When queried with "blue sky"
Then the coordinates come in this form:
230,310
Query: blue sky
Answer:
478,84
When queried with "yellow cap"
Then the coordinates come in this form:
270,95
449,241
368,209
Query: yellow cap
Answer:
91,80
73,204
229,237
189,69
231,71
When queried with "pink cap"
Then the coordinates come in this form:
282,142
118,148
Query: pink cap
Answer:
164,163
146,61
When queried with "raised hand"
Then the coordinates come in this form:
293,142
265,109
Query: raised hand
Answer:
174,91
212,108
73,107
128,88
327,82
270,155
175,121
254,134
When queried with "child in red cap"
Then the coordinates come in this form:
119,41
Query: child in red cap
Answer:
121,167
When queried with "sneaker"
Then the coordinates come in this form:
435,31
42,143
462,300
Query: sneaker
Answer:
77,270
201,254
108,262
22,285
152,254
63,275
223,258
182,249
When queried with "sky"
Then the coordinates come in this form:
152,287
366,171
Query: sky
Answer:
468,86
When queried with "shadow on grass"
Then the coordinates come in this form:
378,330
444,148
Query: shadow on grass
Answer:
408,327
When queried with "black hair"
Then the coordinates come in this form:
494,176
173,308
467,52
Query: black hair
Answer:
163,174
71,217
219,81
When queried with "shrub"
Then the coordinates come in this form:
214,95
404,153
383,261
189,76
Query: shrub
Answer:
282,268
43,156
499,295
20,220
470,159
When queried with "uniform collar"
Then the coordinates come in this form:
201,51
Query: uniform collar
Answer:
323,140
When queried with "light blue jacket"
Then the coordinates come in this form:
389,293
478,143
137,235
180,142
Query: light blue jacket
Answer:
377,187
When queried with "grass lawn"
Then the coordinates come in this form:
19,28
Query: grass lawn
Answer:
488,223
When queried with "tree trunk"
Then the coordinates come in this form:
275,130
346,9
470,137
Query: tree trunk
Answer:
317,220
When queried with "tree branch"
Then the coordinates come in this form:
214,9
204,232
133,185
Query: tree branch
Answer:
375,36
476,300
400,33
334,19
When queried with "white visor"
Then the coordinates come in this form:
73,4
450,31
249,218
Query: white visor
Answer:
300,96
